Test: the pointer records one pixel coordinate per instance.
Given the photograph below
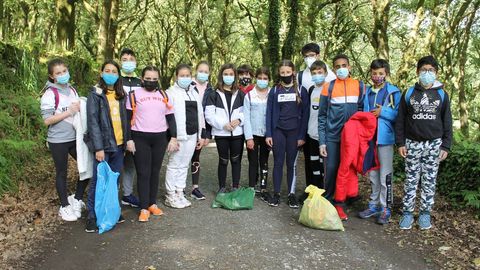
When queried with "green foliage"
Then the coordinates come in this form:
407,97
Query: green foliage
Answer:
13,156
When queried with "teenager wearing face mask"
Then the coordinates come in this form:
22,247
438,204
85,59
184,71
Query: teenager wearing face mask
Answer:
424,136
255,110
339,100
190,123
108,129
58,105
310,53
286,122
151,114
202,86
130,82
382,99
314,167
245,78
224,112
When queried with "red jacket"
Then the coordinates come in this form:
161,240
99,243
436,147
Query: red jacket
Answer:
357,153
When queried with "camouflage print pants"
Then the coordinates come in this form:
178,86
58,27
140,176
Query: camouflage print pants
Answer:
421,164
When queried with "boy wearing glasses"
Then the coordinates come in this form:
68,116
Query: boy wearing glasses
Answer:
424,134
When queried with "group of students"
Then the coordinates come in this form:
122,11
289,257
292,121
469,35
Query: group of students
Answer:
132,122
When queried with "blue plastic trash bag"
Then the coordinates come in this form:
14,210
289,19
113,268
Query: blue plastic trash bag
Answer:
107,207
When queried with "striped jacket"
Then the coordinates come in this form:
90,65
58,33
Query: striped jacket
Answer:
339,100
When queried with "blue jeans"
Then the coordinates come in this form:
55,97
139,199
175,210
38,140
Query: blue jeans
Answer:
115,161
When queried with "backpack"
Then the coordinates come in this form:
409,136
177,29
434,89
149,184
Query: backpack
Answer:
409,93
133,103
310,90
57,95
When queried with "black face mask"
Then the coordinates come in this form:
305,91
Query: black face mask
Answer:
245,81
150,85
286,79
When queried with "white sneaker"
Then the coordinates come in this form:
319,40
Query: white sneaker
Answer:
183,200
67,213
172,201
77,205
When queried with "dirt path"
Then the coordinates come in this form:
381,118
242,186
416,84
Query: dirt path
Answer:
204,238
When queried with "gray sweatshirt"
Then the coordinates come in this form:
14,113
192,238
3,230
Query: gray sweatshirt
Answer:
62,131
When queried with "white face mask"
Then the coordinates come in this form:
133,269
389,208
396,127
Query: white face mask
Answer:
309,61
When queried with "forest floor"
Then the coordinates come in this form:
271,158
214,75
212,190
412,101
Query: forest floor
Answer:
33,237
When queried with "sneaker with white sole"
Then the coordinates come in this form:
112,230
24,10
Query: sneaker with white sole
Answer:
67,213
172,201
183,200
77,205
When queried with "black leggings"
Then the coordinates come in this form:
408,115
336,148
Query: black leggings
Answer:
195,166
60,152
258,157
150,149
229,148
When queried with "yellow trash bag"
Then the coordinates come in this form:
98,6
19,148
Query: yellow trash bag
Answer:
318,213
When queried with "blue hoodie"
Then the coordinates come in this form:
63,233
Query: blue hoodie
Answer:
388,114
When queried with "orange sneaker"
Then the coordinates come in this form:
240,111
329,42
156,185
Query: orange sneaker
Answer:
154,210
144,215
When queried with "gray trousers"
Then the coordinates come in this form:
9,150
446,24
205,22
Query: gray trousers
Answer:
128,174
381,179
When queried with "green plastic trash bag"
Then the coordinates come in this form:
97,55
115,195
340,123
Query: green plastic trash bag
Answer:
318,213
239,199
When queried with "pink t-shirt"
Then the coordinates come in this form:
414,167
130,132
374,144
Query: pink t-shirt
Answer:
150,112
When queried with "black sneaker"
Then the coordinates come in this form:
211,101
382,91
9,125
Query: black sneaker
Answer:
265,196
302,197
91,225
292,201
275,200
121,219
197,194
222,190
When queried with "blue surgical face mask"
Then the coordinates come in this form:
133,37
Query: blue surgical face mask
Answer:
202,77
427,78
129,66
342,73
318,78
109,78
184,82
63,79
228,80
262,84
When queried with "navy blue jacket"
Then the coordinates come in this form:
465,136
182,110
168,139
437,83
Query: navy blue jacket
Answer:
273,112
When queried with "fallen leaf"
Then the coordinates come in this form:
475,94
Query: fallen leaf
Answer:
444,248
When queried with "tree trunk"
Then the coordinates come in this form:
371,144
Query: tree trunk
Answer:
381,10
2,27
273,29
288,44
408,57
112,29
462,99
65,24
103,30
